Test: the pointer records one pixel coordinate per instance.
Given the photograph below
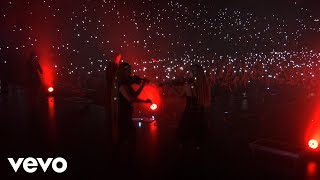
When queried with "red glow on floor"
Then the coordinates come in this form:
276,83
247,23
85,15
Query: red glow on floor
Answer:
312,170
52,127
153,133
51,108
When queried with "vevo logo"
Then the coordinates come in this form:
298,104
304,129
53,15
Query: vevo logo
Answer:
30,164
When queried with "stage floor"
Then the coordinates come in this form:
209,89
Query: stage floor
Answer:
77,131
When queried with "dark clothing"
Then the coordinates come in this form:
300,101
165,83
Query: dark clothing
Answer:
192,122
33,70
33,86
127,131
124,149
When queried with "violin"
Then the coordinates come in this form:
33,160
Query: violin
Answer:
137,80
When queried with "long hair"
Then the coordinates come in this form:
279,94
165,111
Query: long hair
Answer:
202,86
120,74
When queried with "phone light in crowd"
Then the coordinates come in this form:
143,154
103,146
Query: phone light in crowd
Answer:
153,107
313,144
50,89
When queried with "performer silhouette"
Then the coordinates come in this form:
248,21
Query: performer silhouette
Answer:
33,79
123,128
198,97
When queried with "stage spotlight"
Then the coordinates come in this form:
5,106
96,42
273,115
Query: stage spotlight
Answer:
153,107
313,144
50,89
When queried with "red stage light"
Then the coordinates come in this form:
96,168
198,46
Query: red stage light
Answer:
50,89
153,107
313,144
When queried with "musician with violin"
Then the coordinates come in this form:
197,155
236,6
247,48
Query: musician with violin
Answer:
124,131
196,89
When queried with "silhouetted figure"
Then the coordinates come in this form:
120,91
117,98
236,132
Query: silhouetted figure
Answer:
197,92
123,128
33,71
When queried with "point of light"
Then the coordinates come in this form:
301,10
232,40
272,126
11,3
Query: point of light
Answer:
153,107
50,89
313,144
